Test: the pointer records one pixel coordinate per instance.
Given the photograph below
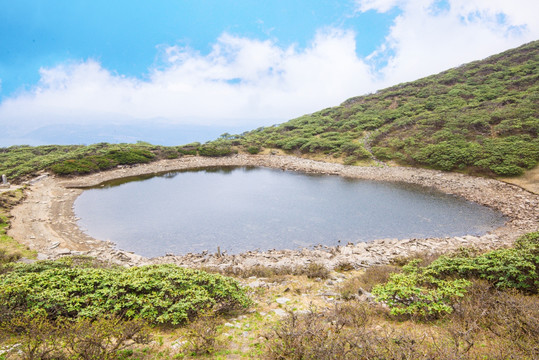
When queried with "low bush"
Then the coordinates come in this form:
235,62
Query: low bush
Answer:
131,156
425,258
75,167
516,267
416,292
352,287
345,332
202,335
486,324
253,150
104,338
211,150
171,154
432,291
189,149
157,293
37,337
314,271
377,274
260,271
510,318
350,160
92,163
6,257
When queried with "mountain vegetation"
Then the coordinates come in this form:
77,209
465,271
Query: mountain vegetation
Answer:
481,117
463,305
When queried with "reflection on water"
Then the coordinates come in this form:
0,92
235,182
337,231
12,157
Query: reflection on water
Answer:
249,208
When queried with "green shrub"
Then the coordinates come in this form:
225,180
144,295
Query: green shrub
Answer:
157,293
349,160
171,154
184,151
432,290
253,150
131,156
103,162
382,153
189,149
215,151
74,167
506,268
416,292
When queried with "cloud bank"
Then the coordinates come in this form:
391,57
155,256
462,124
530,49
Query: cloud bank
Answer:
250,82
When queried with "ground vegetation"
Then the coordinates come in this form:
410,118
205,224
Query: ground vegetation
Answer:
480,118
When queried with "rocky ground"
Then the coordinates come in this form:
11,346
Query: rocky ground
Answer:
45,220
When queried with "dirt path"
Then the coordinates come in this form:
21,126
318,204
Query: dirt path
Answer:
45,220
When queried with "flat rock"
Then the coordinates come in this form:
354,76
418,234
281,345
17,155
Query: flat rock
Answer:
282,300
280,312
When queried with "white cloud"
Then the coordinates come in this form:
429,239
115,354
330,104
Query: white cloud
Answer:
430,36
243,81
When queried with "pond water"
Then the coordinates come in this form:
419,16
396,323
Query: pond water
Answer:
252,208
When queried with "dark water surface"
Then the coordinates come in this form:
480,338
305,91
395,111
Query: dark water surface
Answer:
242,209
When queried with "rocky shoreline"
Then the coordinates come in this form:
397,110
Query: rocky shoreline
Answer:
45,220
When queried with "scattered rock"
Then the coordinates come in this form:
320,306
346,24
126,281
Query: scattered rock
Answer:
520,207
257,284
280,312
282,300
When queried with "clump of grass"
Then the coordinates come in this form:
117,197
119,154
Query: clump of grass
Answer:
424,258
315,271
312,271
38,337
354,286
343,332
202,336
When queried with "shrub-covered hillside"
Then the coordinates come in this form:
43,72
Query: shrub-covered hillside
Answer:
20,161
482,117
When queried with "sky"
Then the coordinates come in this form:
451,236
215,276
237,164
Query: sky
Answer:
175,71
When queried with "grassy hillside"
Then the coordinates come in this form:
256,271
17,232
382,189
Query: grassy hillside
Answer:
481,117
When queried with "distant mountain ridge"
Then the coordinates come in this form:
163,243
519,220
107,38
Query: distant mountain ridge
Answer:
481,117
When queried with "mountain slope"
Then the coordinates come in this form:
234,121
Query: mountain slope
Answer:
481,117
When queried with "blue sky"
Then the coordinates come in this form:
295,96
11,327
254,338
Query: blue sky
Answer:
124,36
92,66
